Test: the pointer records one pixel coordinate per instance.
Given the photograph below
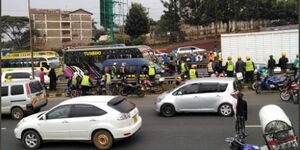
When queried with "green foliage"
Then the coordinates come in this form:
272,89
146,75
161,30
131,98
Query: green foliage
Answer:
17,30
137,22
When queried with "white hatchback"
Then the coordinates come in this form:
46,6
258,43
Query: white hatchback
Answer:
100,119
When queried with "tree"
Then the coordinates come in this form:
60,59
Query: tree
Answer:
17,30
137,22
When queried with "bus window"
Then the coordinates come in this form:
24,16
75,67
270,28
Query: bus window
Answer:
45,65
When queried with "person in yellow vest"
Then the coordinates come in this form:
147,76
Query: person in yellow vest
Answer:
8,79
114,71
184,69
210,69
107,78
151,71
86,83
193,74
229,67
249,67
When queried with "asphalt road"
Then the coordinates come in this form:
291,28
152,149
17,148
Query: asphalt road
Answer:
189,131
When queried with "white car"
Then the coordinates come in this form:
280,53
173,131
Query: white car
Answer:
189,50
200,95
100,119
21,75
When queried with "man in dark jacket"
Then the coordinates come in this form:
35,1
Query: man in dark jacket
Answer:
240,66
271,65
241,115
283,62
53,79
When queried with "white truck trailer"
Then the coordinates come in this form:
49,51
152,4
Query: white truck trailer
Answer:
259,45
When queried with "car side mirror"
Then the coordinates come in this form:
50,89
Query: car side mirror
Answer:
179,93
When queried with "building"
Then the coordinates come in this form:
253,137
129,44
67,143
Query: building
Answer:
59,28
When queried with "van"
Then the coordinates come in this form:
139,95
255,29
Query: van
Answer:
21,97
19,75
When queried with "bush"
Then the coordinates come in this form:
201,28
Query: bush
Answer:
137,41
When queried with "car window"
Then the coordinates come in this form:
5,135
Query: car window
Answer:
190,89
121,105
18,75
208,87
83,110
222,87
59,112
35,87
17,90
4,91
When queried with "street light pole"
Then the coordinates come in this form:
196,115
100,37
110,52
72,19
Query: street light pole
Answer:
30,38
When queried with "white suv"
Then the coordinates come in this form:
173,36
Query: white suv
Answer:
100,119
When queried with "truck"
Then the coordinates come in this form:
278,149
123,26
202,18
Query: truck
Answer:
260,45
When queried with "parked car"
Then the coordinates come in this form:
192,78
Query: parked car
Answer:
21,97
100,119
189,49
200,95
19,75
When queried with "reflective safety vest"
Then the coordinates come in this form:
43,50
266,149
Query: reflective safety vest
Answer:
209,67
183,69
230,66
216,54
249,66
7,80
107,78
113,70
192,74
85,81
151,71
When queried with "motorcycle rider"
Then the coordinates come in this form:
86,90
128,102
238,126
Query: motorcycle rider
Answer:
193,72
86,83
151,71
229,67
283,62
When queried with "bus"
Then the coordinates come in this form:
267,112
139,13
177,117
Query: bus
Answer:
94,57
22,61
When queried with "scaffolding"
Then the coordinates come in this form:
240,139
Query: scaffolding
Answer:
112,15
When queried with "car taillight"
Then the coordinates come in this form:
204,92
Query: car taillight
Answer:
234,94
34,100
27,89
124,116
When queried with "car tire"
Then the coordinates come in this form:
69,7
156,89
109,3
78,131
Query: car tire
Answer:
167,110
225,110
103,140
17,113
258,89
31,139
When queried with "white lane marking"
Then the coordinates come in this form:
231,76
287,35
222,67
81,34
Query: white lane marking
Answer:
253,126
3,128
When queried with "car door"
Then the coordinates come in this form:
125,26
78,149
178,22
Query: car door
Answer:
56,125
5,102
210,96
17,96
84,118
187,98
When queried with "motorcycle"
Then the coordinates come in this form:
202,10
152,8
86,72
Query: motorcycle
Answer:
295,93
130,89
153,87
271,83
237,143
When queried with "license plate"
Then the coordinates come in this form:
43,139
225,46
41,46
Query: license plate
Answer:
135,118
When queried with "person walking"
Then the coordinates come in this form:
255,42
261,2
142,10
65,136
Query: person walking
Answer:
53,79
271,65
151,72
249,65
42,77
193,74
86,83
283,62
107,78
241,115
296,65
240,66
229,67
210,69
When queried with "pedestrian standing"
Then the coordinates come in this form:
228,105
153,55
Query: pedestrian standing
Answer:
229,67
240,66
184,70
53,79
193,74
283,62
123,72
114,71
42,77
107,78
241,115
151,72
249,65
86,83
296,65
271,65
210,69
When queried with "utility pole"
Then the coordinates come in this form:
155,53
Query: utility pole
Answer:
30,37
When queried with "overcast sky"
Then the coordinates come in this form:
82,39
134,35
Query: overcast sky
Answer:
19,7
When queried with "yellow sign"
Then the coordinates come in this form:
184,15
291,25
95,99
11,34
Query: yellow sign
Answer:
93,53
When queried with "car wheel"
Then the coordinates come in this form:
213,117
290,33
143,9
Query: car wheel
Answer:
285,96
17,113
225,110
167,110
31,140
103,140
254,86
